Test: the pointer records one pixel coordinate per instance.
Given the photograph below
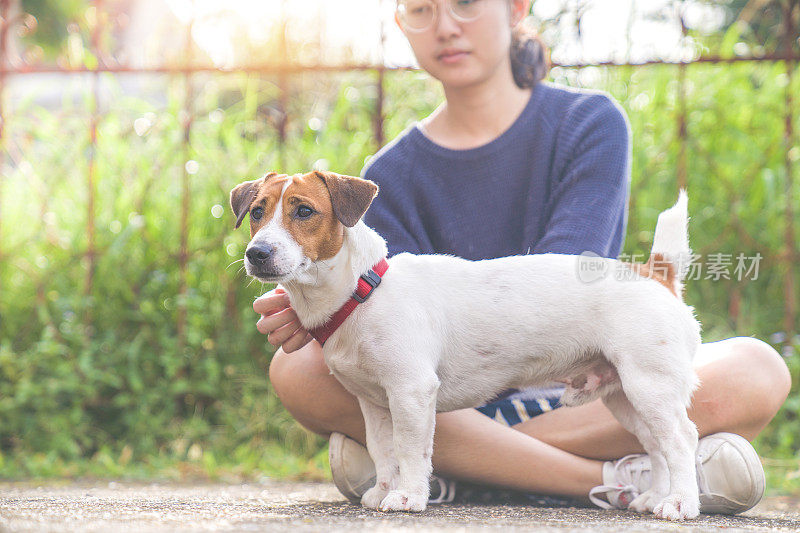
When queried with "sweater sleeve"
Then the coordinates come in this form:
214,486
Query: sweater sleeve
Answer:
587,206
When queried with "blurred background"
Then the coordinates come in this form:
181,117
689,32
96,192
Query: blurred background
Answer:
128,345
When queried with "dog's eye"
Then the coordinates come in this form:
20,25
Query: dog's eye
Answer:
257,213
304,212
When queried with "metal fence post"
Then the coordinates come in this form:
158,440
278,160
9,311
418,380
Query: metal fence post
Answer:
379,135
183,255
682,127
791,255
4,12
91,178
283,91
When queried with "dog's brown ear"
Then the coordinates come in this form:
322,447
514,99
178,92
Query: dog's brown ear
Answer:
350,196
241,197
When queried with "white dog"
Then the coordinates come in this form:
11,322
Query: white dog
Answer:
441,333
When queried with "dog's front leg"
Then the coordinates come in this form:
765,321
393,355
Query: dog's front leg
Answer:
378,425
413,407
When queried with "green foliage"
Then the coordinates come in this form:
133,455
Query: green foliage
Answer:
51,18
758,27
97,379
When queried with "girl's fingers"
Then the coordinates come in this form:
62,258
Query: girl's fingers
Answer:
269,323
299,338
280,335
271,302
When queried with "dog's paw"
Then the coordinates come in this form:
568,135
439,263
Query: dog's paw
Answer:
646,501
398,500
677,507
373,497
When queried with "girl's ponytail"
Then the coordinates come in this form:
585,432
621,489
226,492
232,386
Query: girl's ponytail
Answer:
530,59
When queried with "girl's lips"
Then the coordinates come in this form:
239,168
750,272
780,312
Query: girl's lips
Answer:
454,57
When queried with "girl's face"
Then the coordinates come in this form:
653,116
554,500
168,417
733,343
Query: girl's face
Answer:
466,41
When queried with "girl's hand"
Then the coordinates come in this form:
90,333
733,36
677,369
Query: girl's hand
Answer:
279,322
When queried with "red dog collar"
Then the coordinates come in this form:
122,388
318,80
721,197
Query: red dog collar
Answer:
366,284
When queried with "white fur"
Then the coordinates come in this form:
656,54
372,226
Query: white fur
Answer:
443,333
671,236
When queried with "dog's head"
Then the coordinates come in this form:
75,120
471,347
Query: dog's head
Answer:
297,220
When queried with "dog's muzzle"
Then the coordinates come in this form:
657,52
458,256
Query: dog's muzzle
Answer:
261,260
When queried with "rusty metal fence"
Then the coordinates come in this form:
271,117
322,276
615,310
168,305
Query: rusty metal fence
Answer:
786,55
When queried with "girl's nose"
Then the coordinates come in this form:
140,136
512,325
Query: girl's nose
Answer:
444,24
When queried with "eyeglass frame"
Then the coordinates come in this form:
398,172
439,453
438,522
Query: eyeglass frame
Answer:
435,4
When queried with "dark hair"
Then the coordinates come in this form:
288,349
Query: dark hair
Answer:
530,59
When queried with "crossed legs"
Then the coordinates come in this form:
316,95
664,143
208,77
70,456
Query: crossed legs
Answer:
743,384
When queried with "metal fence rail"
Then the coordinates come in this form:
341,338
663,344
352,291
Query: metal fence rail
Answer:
90,254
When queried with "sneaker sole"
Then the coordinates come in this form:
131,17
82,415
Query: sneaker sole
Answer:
755,471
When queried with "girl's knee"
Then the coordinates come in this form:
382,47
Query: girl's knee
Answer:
292,371
763,378
293,374
744,383
309,392
282,370
769,372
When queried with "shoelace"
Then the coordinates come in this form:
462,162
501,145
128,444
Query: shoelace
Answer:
702,483
628,472
631,469
447,490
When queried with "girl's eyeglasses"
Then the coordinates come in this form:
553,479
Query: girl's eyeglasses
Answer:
419,15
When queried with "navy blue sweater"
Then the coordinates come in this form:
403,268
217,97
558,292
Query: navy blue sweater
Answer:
556,181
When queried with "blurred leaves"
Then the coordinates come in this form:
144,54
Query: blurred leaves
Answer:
51,23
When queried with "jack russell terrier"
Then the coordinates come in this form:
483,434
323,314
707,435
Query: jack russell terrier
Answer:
416,334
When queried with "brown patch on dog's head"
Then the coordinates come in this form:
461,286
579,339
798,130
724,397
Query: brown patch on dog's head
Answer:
243,196
309,217
660,269
350,196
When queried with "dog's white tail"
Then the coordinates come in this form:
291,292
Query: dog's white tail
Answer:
671,239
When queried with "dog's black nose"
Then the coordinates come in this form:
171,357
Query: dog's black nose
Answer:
259,254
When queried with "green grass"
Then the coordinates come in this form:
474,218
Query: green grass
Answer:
245,464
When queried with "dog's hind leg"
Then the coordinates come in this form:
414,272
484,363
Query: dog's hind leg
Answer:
659,395
378,425
624,412
684,499
413,407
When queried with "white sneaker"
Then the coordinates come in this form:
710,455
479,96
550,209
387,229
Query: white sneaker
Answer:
729,475
353,471
352,468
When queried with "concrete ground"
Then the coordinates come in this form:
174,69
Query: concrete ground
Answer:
280,506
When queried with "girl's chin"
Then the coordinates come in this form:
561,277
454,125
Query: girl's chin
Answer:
457,76
457,80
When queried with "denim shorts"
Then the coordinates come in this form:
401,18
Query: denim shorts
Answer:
515,407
